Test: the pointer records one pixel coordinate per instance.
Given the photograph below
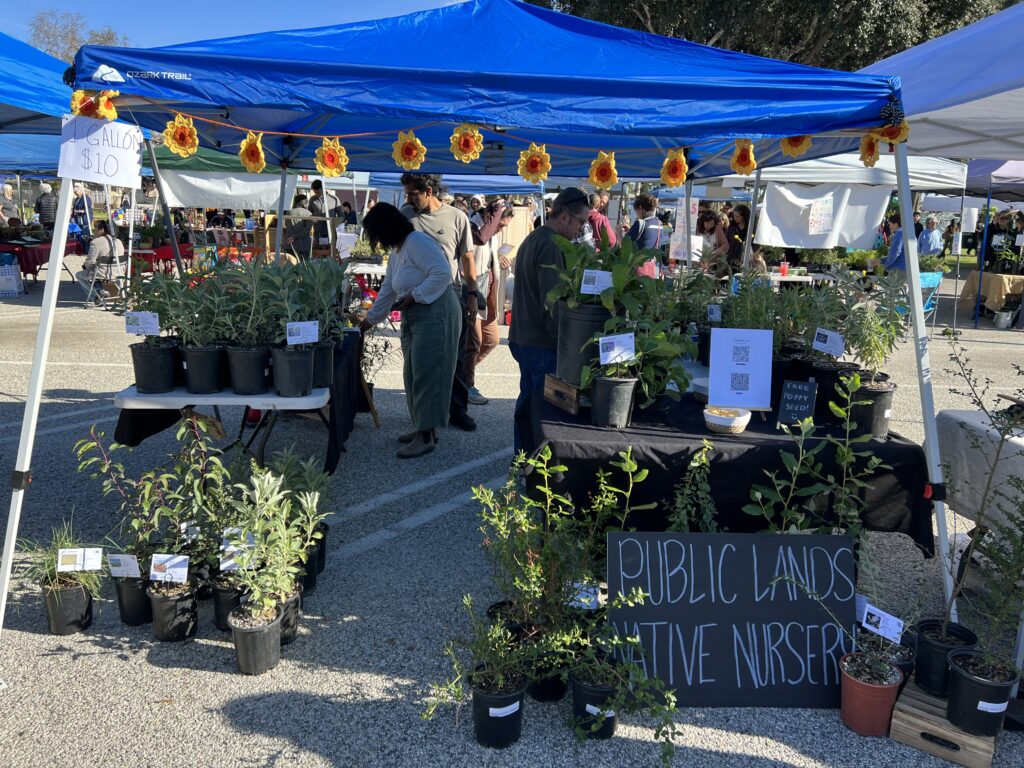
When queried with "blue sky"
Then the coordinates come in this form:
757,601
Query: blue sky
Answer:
149,24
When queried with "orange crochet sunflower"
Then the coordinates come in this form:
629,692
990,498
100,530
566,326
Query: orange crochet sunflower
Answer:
180,136
794,146
743,161
331,158
251,153
409,151
893,134
534,163
96,105
602,171
467,143
869,150
674,169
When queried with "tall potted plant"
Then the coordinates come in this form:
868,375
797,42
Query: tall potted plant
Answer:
249,325
203,328
293,363
156,360
321,288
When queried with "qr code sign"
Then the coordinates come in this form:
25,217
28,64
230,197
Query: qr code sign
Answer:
739,382
607,346
821,338
741,354
590,279
294,332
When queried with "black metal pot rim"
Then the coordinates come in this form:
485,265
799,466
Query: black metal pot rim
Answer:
970,675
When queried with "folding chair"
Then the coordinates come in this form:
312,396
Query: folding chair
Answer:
92,294
930,282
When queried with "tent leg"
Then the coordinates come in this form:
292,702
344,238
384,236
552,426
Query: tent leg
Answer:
279,235
689,224
23,463
924,377
957,246
131,234
982,250
540,210
168,221
21,200
749,242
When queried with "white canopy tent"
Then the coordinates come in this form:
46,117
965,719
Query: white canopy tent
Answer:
926,173
214,189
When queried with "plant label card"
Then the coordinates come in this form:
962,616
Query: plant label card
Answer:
511,709
861,604
741,368
796,402
305,332
92,559
620,348
229,549
70,560
142,323
882,623
714,313
124,566
829,342
595,281
168,567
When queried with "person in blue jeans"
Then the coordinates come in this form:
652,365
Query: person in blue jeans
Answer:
533,335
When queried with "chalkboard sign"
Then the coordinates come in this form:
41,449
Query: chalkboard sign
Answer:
719,625
797,401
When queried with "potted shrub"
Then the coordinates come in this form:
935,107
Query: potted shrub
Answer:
293,364
156,360
203,327
306,476
67,595
870,683
321,288
249,326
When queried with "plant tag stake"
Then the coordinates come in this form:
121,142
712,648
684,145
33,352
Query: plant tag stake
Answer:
169,567
70,560
142,323
598,712
617,349
511,709
829,342
714,313
124,566
305,332
595,281
882,623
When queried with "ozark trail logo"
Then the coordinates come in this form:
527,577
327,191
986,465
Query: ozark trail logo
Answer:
106,74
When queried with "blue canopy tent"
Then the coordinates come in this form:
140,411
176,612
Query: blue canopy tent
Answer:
463,184
29,154
32,94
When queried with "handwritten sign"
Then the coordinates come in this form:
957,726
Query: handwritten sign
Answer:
829,342
796,402
741,368
820,221
595,281
142,323
123,566
168,567
306,332
99,152
620,348
725,623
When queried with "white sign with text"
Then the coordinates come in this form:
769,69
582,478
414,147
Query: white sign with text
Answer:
829,342
142,323
98,152
124,566
741,368
595,281
169,567
306,332
617,349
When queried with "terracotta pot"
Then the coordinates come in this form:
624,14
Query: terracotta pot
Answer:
867,708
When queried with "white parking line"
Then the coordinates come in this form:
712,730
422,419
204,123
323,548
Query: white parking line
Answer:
57,416
54,430
384,535
55,364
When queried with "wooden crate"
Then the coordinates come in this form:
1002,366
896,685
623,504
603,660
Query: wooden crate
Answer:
562,394
919,721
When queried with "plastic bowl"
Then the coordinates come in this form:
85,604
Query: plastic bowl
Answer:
727,425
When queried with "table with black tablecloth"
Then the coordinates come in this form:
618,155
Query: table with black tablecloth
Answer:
665,436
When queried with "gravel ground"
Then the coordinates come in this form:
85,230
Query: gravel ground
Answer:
404,547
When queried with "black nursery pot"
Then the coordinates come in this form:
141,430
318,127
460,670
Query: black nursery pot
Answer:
576,328
323,365
588,706
931,668
154,367
132,602
498,718
975,704
257,649
704,347
612,402
175,618
68,610
801,368
226,598
827,374
321,551
309,573
873,418
291,611
780,372
547,688
293,371
250,370
204,369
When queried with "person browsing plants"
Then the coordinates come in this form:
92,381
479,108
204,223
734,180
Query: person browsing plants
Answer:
418,283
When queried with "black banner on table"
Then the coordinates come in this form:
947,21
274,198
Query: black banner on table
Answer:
724,626
796,402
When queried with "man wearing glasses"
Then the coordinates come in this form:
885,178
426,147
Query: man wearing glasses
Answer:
533,335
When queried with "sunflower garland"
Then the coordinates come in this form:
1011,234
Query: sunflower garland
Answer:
96,105
534,163
674,169
409,152
602,171
251,153
180,136
331,158
795,146
892,134
869,150
467,143
743,161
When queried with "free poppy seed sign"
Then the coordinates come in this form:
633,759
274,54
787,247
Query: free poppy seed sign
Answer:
100,152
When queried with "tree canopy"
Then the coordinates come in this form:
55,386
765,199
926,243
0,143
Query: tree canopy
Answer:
62,33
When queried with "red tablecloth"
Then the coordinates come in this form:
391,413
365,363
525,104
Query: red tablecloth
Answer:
32,258
162,256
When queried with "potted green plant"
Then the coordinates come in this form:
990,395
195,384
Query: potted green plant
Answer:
203,326
67,595
249,325
321,289
306,476
293,363
156,360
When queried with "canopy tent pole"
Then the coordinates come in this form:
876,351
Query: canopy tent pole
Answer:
924,376
110,218
168,221
279,235
21,200
131,231
689,225
355,196
982,248
748,243
957,246
541,210
22,465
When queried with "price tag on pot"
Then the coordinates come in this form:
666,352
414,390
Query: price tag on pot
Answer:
620,348
595,281
70,560
511,709
598,712
124,566
829,342
993,706
142,323
714,313
882,623
306,332
167,567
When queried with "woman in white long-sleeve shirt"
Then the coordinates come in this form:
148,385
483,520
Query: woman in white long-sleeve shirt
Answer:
418,283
